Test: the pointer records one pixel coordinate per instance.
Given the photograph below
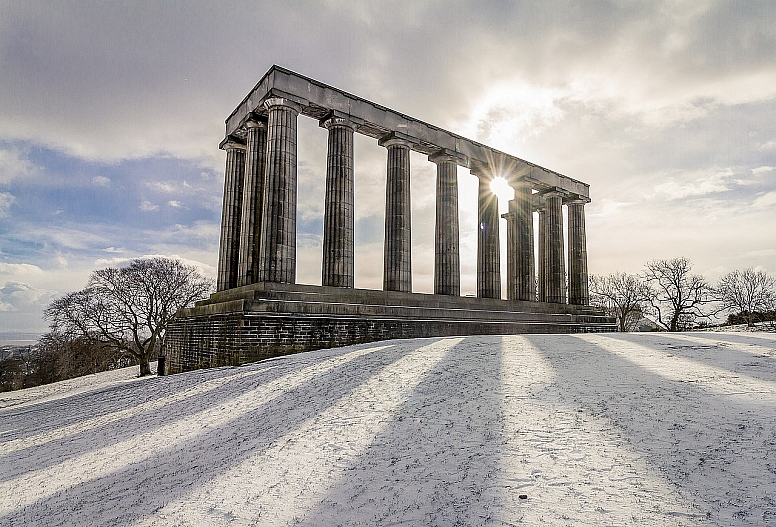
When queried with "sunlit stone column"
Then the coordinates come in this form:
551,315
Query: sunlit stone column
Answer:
447,262
228,251
542,257
277,261
578,293
252,202
510,217
397,255
488,264
554,250
338,217
524,252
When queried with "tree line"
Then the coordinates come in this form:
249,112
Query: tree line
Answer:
676,299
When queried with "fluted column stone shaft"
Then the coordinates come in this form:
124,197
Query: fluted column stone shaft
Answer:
338,218
542,258
447,261
578,292
512,250
277,261
252,202
229,248
397,252
555,266
524,251
488,262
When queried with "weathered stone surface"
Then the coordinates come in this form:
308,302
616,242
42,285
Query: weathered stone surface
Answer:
578,293
447,260
270,319
555,264
277,261
338,219
397,254
252,202
524,251
229,248
542,257
488,249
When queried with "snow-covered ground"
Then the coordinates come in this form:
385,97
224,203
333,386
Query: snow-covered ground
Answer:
618,429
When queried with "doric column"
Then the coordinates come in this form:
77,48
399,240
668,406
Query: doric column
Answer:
397,252
511,250
578,293
542,258
252,202
488,264
228,251
277,257
524,250
338,217
447,261
555,265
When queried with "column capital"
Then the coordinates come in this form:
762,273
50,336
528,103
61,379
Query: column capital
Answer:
578,200
394,139
255,123
231,144
274,102
481,169
444,156
338,121
554,192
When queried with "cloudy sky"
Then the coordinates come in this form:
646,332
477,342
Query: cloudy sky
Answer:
111,115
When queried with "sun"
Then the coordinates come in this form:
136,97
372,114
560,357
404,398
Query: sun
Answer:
501,188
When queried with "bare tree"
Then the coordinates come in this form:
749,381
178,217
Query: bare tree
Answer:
747,291
676,295
622,295
129,308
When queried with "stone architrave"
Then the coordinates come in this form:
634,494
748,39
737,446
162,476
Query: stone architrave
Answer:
447,261
397,252
338,220
578,292
252,202
277,259
555,265
229,248
488,249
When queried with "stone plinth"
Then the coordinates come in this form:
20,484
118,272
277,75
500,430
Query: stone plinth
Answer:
269,319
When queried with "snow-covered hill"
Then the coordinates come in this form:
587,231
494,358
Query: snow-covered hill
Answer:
618,429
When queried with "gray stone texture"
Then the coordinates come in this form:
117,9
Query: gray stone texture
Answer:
277,262
397,252
270,319
578,293
229,248
524,252
447,261
488,249
252,202
542,257
555,264
338,219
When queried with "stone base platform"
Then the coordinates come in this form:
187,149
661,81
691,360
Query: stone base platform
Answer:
263,320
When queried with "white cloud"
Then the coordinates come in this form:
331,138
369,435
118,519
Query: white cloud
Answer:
6,200
693,184
147,206
162,186
101,181
13,164
15,296
762,170
175,204
766,200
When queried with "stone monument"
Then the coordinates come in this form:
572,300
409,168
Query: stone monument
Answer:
259,311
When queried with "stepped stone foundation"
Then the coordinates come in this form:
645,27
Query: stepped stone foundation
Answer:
258,311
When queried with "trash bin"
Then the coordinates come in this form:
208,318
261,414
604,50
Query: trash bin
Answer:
160,365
